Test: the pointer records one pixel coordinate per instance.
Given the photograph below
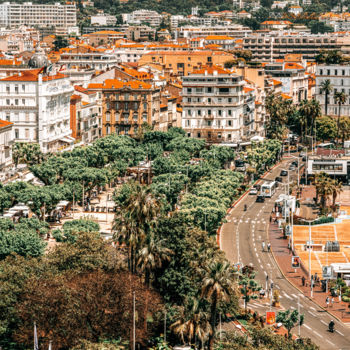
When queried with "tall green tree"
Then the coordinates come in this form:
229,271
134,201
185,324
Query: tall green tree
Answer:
309,110
344,128
290,319
135,220
326,89
218,285
340,99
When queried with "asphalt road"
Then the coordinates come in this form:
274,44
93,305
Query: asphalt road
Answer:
241,239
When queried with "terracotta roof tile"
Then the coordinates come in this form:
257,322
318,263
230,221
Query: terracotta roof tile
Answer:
4,123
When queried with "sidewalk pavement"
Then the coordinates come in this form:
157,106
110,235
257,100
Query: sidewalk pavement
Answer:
283,257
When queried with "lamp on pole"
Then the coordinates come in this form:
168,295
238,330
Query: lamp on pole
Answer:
298,169
309,222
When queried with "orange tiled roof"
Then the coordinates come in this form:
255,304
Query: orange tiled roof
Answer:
6,62
106,32
286,97
4,123
291,65
82,90
276,82
118,84
75,97
211,70
33,75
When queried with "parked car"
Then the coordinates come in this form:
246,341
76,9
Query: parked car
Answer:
253,190
278,179
260,199
257,186
304,159
295,163
284,173
292,167
302,154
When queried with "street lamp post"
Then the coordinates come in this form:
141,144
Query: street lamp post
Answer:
310,221
298,169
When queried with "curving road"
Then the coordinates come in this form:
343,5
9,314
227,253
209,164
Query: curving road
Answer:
241,238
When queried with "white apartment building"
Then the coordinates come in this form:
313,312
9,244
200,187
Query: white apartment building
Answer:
6,142
19,39
102,19
143,16
86,121
56,15
38,106
89,60
339,78
233,30
213,105
295,81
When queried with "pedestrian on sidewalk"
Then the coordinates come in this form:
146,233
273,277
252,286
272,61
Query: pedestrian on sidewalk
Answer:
327,302
303,281
332,302
263,246
269,247
270,218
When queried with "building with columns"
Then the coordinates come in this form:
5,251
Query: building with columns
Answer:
38,106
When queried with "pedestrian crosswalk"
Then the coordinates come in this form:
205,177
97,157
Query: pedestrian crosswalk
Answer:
246,221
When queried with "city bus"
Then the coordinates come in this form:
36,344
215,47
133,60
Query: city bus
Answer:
268,189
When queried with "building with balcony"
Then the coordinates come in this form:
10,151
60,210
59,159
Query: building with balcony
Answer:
339,78
213,104
13,15
295,81
38,107
233,30
88,59
6,142
85,120
272,46
150,17
127,105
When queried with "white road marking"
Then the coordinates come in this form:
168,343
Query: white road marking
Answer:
287,296
265,273
307,327
292,307
318,334
312,313
324,322
254,248
340,333
294,296
329,342
312,308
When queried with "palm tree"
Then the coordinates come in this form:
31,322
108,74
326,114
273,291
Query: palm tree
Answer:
337,189
193,322
152,256
135,220
309,110
324,188
218,285
344,128
340,99
326,88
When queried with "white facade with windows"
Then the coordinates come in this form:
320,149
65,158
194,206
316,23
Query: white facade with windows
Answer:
39,108
339,78
213,102
6,142
56,15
